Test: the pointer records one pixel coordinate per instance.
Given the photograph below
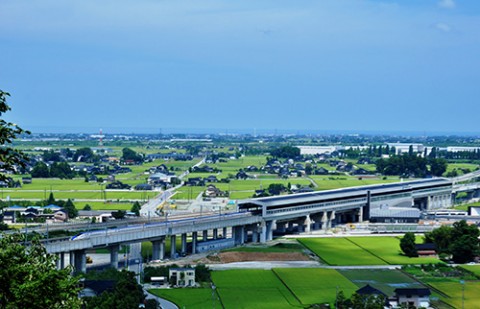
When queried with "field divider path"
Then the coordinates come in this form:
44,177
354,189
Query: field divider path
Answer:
366,250
288,288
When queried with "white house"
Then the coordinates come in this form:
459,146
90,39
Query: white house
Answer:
182,276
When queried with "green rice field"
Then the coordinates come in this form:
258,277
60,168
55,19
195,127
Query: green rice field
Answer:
452,293
388,249
189,298
315,285
252,289
385,280
340,251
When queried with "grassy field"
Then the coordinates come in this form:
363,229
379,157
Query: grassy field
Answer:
340,251
385,280
315,285
464,207
104,206
342,181
252,289
460,166
473,268
97,195
453,292
388,249
189,298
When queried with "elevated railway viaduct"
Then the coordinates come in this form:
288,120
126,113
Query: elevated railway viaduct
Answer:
257,219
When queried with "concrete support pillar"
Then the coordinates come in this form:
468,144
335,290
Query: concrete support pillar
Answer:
215,233
360,214
281,227
158,249
331,219
194,242
255,234
57,262
62,260
114,255
239,234
270,225
263,232
80,261
324,221
71,259
205,235
290,226
307,224
266,231
224,232
184,243
173,245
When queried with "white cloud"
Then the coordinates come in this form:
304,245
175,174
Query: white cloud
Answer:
443,27
447,4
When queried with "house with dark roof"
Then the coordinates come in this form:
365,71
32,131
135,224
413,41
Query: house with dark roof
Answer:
417,297
143,187
211,178
370,290
426,250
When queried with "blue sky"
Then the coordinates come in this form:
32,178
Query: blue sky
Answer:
330,65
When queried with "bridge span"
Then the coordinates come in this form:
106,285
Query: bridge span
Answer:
257,220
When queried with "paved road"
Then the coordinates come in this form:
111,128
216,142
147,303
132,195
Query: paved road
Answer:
149,209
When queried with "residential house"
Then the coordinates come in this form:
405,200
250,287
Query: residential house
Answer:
426,250
182,276
213,191
98,216
321,171
211,178
417,297
144,187
369,290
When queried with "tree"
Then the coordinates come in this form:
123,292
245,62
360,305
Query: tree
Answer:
10,158
69,207
84,155
136,208
51,199
438,166
126,292
276,188
119,214
40,170
29,278
407,244
288,152
464,242
129,154
87,207
441,237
